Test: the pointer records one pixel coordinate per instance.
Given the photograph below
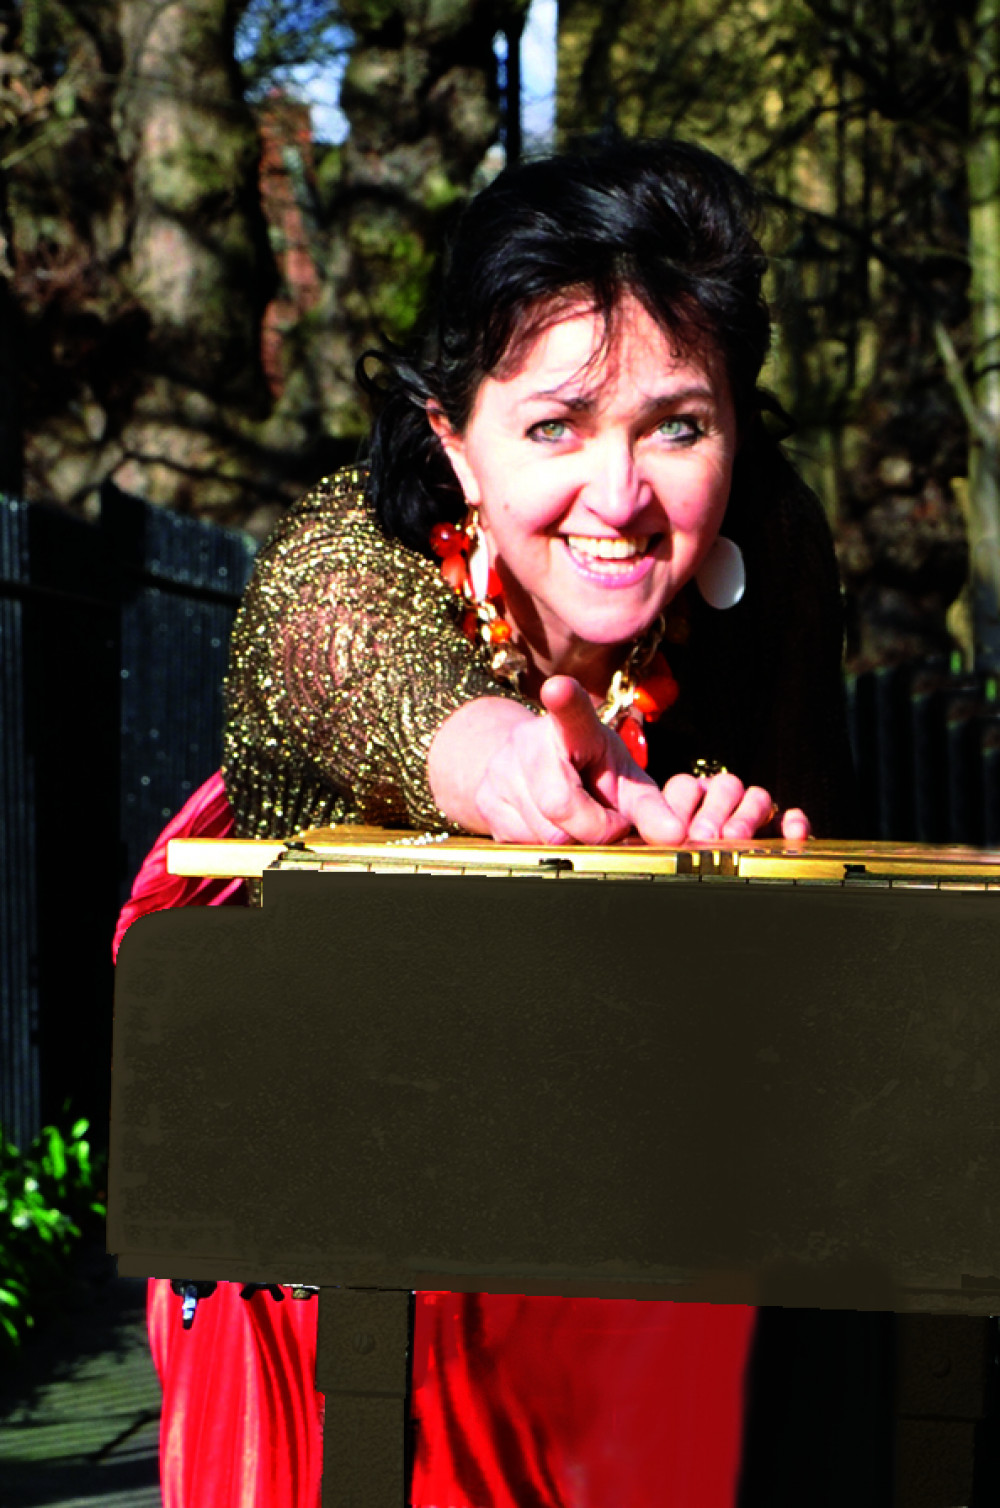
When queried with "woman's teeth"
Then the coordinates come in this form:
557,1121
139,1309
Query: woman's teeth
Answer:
606,549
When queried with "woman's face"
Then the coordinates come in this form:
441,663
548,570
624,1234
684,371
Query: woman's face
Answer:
601,481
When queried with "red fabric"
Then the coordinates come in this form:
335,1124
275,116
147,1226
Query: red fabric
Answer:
520,1402
577,1403
241,1425
206,814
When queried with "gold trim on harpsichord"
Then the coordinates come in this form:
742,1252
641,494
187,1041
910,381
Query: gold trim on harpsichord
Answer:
813,861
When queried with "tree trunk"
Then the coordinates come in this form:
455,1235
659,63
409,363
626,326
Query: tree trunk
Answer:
420,93
66,198
11,436
200,261
984,256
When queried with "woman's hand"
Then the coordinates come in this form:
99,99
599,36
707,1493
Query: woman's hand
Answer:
566,778
715,807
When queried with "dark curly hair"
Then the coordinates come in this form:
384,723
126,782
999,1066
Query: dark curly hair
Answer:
664,221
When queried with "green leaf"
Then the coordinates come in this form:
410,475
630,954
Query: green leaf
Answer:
56,1159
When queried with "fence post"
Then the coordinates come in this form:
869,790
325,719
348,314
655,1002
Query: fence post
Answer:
859,688
70,715
965,771
894,771
930,754
19,1080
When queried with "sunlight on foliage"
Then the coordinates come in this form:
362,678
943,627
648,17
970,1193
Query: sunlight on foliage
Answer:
47,1199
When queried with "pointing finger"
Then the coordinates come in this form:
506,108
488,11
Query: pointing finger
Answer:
573,716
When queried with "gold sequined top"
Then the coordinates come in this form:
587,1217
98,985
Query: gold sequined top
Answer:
347,657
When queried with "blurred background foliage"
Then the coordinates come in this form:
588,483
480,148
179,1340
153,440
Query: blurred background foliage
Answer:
50,1201
188,276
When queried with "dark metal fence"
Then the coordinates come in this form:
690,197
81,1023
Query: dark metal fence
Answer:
926,747
181,581
113,642
18,913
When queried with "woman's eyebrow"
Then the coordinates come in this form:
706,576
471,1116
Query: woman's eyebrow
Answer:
589,399
559,395
696,391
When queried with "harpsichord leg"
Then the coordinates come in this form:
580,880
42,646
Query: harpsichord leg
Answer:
362,1368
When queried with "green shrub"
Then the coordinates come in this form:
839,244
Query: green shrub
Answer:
48,1202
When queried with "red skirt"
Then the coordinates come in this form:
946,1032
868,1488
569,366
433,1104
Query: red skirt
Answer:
519,1402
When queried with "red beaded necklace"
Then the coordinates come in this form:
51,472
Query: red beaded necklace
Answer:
641,691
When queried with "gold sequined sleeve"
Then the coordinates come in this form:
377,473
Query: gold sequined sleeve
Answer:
346,658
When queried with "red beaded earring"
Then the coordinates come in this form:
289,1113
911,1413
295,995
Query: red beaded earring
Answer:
465,566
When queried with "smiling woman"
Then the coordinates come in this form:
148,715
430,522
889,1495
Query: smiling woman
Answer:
601,477
591,385
576,564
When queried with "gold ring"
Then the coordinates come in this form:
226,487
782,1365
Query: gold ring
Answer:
704,769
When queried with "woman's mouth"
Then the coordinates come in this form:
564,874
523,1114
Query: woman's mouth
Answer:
618,561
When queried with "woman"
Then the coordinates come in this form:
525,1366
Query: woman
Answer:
577,565
562,273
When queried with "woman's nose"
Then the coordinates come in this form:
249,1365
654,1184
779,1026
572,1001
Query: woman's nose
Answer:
616,489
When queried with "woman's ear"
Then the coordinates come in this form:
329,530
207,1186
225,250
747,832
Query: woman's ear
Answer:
453,446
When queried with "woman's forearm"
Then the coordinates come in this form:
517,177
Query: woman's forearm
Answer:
461,750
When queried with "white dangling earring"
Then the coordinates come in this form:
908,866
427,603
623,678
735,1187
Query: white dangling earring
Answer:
722,576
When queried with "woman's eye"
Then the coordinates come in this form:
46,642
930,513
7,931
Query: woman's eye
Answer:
549,429
682,428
